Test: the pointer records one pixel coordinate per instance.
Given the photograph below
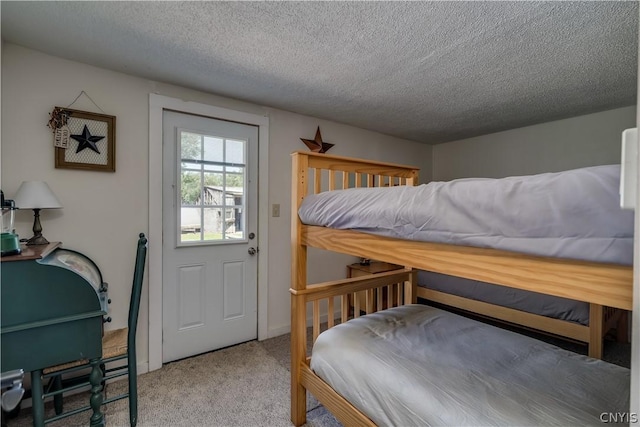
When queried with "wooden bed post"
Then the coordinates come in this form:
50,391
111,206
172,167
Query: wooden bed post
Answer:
299,181
595,330
411,288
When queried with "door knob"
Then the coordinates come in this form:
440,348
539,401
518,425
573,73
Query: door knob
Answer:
252,251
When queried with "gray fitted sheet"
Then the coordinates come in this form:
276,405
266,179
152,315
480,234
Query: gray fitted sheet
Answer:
417,365
531,302
573,214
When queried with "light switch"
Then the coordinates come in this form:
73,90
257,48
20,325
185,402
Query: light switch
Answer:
275,210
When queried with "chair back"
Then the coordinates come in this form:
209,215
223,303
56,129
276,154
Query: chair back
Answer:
136,293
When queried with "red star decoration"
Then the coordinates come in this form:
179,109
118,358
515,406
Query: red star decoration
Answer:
317,145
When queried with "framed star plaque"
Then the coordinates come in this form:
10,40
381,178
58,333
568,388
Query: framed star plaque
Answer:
89,141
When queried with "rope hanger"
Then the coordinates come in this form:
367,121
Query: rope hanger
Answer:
87,95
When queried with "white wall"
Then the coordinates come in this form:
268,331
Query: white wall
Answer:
104,212
588,140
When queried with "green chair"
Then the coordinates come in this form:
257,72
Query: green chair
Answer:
117,345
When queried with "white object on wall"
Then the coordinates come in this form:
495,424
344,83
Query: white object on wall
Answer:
629,169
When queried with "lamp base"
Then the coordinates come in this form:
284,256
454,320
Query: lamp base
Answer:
37,240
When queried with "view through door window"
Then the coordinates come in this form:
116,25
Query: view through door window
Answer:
212,188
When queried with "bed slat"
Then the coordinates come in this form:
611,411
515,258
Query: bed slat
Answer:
316,319
390,295
332,180
317,181
370,180
330,313
369,304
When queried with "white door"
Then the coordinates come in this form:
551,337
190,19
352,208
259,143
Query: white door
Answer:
209,271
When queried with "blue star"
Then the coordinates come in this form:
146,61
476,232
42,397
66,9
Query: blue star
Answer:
86,140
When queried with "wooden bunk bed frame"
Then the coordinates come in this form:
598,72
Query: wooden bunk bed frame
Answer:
604,286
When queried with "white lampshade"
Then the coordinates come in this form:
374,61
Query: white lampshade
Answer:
36,195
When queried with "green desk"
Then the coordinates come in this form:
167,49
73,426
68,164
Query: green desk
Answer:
53,301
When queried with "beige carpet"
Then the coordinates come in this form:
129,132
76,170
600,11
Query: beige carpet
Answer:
237,386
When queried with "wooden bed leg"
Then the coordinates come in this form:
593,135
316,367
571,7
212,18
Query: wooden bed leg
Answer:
622,327
298,356
595,330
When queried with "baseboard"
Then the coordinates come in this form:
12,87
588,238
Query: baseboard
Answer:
276,332
143,367
282,330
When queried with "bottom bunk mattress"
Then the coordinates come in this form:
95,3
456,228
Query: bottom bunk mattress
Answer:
531,302
418,365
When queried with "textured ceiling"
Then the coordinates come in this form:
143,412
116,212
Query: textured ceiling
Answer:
425,71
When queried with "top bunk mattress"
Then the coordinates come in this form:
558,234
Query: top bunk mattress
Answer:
572,214
418,365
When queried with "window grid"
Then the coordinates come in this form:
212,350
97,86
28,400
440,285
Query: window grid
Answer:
225,208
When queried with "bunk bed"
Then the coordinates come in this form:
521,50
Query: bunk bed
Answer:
600,284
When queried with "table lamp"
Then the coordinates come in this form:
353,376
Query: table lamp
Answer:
36,195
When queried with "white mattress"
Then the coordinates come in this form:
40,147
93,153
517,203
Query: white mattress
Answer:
573,214
417,365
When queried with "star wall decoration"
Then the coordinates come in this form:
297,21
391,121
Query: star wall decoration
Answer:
317,145
86,140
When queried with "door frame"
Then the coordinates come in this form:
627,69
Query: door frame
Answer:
157,104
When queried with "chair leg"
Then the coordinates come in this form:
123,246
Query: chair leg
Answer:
37,401
103,368
133,389
57,399
95,401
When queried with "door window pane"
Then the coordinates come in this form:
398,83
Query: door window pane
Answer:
190,188
235,223
190,224
235,151
214,224
190,145
236,180
213,149
212,188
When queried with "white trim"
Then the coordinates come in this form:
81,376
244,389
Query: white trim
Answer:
158,103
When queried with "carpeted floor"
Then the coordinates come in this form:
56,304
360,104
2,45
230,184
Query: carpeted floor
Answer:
243,385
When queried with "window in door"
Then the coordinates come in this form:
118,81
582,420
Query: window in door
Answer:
211,189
